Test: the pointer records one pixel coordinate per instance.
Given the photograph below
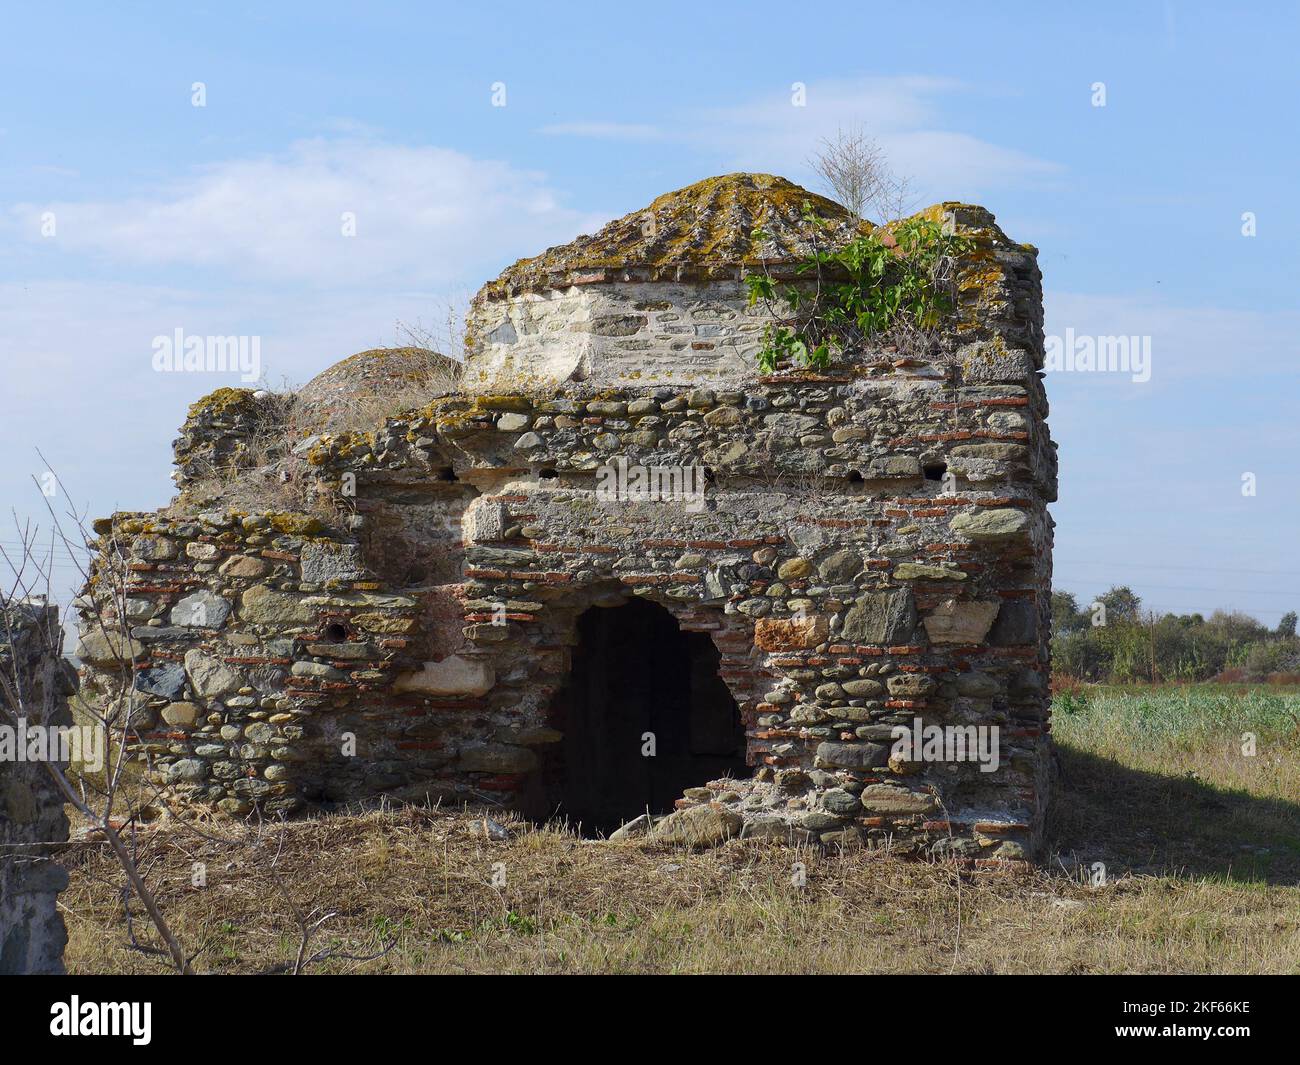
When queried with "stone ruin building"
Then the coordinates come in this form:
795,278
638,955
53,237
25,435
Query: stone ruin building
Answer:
468,600
35,682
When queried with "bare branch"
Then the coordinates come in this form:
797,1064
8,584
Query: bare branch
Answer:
856,173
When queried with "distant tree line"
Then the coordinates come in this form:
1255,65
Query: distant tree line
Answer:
1113,639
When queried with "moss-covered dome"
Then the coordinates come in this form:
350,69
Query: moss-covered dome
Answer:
331,397
700,232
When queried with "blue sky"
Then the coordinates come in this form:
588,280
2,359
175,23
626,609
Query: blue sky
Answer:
224,219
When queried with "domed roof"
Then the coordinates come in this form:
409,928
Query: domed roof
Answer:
332,397
700,232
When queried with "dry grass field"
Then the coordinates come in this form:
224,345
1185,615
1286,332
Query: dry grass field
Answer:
1201,846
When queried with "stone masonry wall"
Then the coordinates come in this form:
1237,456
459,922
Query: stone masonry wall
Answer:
846,590
259,644
32,822
872,547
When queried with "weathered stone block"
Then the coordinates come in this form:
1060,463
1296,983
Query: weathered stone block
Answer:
260,605
880,618
793,569
106,646
911,685
862,688
851,755
993,363
325,561
888,467
964,623
841,566
188,770
202,610
889,799
167,681
317,671
453,675
915,571
788,634
210,677
991,526
497,758
1016,624
181,715
977,685
998,452
699,827
154,548
244,566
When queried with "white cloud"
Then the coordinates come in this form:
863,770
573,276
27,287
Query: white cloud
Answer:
879,105
80,385
424,216
903,113
246,247
1186,342
948,166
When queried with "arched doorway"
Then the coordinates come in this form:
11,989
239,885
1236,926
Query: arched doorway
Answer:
635,672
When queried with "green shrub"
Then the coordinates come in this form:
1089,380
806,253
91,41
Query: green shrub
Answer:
1176,647
899,278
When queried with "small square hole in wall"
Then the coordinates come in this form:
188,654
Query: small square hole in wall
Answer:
334,633
935,471
547,474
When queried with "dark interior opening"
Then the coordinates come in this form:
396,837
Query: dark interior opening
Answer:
936,471
445,473
334,633
855,478
636,672
548,474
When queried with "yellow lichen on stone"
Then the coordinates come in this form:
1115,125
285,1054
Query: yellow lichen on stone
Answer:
708,224
222,401
511,402
295,523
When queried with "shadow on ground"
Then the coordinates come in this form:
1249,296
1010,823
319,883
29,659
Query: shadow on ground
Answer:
1142,822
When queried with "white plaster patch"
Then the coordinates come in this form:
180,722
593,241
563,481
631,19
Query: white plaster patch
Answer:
617,334
454,675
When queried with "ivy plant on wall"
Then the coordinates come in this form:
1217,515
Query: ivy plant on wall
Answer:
891,280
